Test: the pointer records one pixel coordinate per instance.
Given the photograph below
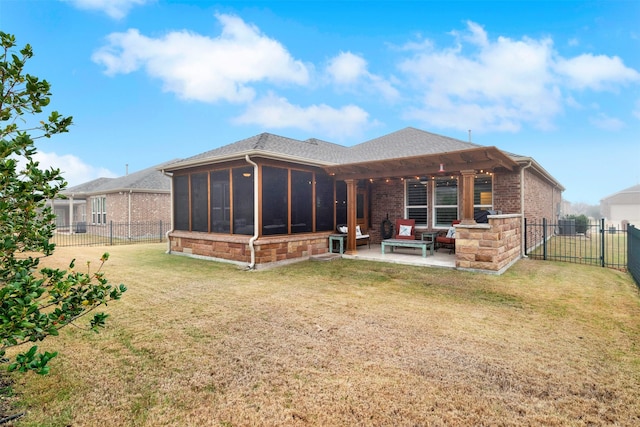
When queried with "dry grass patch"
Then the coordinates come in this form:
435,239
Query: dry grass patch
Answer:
346,343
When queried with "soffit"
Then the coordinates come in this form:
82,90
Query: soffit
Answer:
487,158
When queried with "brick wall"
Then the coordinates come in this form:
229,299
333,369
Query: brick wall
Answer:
491,247
506,192
386,198
144,207
541,200
236,248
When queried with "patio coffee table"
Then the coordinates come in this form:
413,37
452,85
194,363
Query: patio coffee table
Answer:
423,244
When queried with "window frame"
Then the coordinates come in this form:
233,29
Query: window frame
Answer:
408,206
99,210
437,207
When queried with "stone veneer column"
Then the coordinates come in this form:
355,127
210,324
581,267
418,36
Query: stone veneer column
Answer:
491,247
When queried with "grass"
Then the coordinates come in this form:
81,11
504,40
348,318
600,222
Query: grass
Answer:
198,343
586,249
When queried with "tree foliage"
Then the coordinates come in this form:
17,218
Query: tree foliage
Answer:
34,304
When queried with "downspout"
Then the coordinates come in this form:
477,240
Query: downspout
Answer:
255,213
170,175
129,222
523,250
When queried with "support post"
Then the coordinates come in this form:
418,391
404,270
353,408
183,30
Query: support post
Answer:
351,216
468,180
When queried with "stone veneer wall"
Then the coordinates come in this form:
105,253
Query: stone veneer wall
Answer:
277,249
491,247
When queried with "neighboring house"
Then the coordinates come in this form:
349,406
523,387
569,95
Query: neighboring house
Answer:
622,207
270,198
143,196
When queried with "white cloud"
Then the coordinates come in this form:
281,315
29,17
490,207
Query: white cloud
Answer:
202,68
73,169
348,70
501,84
595,72
274,112
605,122
116,9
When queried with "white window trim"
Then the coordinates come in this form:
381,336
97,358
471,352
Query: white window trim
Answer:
406,201
435,207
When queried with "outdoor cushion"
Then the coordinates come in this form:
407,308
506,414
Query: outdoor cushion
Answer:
406,229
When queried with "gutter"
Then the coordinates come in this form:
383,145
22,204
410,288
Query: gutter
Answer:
255,213
523,250
170,175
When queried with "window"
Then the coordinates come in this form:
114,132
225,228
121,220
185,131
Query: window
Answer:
99,210
199,202
416,201
220,202
301,201
181,202
482,193
445,201
275,204
243,200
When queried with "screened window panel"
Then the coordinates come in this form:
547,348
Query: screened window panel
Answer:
341,202
220,202
199,202
301,201
243,222
324,202
275,206
181,202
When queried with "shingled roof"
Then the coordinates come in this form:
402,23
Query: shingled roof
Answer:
312,150
628,196
147,180
407,142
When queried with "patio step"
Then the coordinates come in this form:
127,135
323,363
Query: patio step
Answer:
326,257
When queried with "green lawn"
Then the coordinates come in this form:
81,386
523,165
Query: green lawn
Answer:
343,343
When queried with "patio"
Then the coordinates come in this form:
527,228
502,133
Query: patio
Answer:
405,256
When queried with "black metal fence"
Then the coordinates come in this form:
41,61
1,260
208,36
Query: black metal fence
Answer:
633,251
583,243
111,233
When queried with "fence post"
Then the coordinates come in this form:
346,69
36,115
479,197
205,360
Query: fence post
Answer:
160,234
544,239
602,242
110,233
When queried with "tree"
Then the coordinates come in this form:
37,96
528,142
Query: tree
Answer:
35,304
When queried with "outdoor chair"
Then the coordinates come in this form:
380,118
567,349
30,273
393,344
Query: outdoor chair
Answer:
361,239
448,240
405,229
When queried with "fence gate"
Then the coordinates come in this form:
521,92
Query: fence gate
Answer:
591,243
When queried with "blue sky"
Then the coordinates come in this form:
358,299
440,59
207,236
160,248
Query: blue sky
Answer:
153,80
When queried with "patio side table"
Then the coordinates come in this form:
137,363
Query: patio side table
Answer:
430,236
337,238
